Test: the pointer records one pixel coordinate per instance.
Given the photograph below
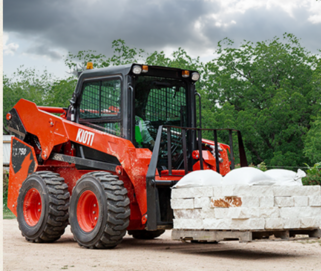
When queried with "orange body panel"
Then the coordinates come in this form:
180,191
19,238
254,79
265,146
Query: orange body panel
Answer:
16,178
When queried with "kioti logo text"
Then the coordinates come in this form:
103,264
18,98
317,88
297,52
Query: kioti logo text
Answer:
85,137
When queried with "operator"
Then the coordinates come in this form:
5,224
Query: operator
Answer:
141,132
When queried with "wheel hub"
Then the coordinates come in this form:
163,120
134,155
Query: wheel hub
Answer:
32,207
87,211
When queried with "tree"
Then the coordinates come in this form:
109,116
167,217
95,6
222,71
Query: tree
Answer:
267,89
28,84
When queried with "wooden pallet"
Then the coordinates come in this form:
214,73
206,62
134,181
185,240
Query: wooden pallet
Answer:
246,236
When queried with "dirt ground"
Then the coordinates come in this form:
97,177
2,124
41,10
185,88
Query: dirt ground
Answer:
159,254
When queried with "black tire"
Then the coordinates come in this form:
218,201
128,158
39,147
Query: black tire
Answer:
146,235
53,219
109,227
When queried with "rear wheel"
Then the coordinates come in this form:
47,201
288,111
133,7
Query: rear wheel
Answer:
42,208
146,235
99,210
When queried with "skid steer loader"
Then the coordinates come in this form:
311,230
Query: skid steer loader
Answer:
106,164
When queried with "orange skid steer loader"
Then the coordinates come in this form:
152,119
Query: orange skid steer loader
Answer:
106,164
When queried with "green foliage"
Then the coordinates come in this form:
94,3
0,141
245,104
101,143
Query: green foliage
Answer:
28,84
313,175
7,214
266,91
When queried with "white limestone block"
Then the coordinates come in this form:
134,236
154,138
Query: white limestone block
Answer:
243,213
202,202
182,204
246,190
257,224
274,223
207,213
192,192
300,212
250,201
229,224
196,224
217,191
221,212
225,202
291,223
266,202
205,191
309,222
187,214
272,212
290,191
181,193
216,224
301,201
284,201
315,201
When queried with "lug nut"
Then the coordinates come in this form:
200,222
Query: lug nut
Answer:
94,205
39,203
95,218
94,212
38,210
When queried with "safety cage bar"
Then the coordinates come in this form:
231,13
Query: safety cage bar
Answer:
153,201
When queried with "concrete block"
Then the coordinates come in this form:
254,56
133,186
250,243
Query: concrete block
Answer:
274,223
291,223
250,201
196,224
202,202
309,222
266,202
301,201
187,214
315,201
284,201
269,212
182,203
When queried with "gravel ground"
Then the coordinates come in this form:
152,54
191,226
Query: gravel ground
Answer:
156,255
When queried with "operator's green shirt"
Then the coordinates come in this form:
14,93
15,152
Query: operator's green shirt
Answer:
141,132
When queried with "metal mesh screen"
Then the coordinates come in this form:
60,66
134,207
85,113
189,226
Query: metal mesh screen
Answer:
101,99
162,101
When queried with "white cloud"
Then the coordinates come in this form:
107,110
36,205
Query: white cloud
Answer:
10,48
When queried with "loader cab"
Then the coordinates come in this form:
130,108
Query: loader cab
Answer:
133,101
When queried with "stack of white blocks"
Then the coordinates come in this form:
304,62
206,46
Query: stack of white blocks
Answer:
235,207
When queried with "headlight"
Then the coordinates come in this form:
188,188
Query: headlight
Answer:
137,69
195,76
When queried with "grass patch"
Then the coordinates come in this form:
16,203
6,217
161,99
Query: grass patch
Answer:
7,214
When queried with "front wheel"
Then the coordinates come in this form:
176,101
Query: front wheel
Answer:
99,210
42,209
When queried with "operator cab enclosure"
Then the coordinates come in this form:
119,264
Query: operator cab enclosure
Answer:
132,101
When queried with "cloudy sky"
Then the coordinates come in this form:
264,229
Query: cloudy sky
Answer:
39,33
